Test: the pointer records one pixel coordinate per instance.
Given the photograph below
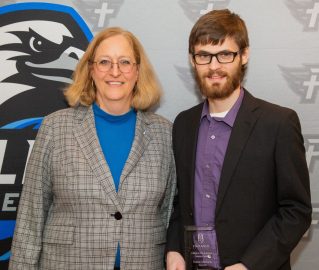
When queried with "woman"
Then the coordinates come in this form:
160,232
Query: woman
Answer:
101,178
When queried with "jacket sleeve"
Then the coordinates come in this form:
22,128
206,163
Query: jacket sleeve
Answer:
273,245
34,205
174,232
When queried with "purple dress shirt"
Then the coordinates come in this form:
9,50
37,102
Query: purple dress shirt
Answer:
213,137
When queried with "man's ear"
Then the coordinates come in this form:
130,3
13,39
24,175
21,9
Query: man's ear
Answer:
191,60
245,56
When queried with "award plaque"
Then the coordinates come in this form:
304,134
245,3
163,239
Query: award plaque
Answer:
199,250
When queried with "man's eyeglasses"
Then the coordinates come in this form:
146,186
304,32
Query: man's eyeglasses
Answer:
124,65
223,57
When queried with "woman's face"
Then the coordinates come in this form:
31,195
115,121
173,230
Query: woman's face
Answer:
115,73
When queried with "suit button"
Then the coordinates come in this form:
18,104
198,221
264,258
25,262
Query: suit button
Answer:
117,215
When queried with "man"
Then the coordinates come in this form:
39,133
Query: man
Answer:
240,161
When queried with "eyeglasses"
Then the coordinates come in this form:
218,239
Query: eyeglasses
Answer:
124,65
223,57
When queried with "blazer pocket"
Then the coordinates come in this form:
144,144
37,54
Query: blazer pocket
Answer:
58,234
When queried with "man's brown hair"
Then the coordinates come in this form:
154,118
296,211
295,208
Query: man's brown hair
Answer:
215,26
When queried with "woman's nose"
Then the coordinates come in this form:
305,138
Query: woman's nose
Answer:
115,70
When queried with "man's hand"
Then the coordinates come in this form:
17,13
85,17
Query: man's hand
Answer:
237,266
174,261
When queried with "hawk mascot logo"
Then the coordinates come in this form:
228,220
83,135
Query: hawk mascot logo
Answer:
40,45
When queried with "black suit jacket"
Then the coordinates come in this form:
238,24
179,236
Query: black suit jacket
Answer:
263,203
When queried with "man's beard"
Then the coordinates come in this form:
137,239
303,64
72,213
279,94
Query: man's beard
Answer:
218,90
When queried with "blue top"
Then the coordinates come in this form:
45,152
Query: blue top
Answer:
116,135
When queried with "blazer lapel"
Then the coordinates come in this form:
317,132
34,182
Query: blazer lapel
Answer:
244,123
85,134
141,139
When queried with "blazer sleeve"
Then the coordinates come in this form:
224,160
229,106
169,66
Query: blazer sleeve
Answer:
166,207
273,245
34,205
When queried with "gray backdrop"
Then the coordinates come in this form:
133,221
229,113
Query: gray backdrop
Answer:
283,67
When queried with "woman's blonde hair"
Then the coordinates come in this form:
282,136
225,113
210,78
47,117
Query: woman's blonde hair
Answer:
147,91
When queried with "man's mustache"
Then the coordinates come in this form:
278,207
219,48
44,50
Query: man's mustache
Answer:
216,73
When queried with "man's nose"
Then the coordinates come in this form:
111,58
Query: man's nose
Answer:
214,64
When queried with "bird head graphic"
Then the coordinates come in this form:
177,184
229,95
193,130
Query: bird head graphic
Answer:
39,49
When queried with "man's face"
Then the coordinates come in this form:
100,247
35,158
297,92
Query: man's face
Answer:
219,80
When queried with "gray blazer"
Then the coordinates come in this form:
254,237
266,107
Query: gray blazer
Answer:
70,216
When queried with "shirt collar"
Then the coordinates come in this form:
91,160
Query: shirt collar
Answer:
230,117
